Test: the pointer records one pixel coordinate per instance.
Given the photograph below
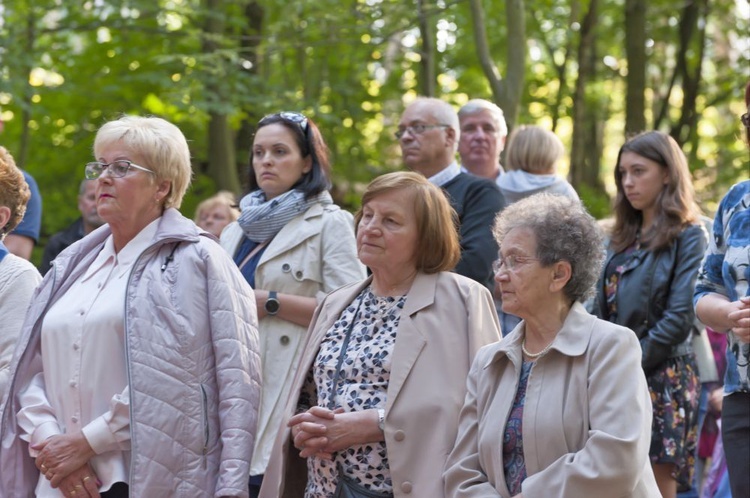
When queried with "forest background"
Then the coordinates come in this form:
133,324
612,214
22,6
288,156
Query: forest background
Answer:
593,71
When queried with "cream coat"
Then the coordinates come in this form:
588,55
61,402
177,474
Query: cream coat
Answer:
445,320
586,419
312,255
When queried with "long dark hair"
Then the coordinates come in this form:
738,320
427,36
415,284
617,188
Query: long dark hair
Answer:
675,207
310,142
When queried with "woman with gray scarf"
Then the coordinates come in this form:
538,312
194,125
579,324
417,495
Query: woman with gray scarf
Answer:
293,245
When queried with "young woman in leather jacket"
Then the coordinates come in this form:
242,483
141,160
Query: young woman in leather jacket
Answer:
655,250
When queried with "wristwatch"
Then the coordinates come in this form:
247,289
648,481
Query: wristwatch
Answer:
272,303
381,419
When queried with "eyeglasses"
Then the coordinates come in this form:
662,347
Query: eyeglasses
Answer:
745,118
510,262
417,129
294,117
117,169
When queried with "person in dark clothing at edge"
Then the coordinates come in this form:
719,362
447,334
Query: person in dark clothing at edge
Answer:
87,223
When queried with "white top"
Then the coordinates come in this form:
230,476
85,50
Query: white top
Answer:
18,279
84,382
449,173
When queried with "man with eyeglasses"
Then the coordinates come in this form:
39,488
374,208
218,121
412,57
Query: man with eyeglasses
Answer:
483,135
428,133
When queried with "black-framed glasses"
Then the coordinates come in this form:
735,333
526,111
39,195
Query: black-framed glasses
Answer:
293,117
417,129
745,118
510,262
117,169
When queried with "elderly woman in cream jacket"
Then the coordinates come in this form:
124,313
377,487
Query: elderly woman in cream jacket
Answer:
560,407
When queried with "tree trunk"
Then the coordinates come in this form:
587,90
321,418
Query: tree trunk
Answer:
221,155
428,80
506,92
635,47
584,135
693,12
251,38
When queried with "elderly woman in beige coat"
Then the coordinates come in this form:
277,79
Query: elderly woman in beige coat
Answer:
382,377
560,408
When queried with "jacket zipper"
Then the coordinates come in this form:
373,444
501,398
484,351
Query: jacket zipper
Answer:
205,420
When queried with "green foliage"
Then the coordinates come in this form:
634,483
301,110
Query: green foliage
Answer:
67,67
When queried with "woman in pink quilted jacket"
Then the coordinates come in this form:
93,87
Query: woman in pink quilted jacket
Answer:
137,371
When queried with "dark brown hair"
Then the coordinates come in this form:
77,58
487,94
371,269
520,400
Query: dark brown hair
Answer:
675,207
310,143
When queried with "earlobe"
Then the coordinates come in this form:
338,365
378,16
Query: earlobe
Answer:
163,191
308,165
4,216
561,273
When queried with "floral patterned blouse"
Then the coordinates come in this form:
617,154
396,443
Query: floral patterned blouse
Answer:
362,385
514,464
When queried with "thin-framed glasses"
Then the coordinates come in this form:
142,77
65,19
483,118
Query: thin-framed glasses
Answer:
745,118
417,129
294,117
511,262
117,169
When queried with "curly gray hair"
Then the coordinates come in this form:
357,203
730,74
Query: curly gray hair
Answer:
564,231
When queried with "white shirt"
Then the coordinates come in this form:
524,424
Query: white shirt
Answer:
83,385
449,173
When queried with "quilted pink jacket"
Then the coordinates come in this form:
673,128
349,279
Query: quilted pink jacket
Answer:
190,315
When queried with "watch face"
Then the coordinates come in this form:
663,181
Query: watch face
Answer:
272,306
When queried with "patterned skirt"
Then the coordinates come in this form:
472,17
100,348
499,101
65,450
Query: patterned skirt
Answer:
675,389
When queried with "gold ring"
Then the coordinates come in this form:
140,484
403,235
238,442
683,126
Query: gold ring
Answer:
43,467
73,492
86,478
78,486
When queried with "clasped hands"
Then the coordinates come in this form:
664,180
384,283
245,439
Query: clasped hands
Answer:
320,432
64,460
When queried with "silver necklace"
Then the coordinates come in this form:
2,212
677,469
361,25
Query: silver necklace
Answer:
535,355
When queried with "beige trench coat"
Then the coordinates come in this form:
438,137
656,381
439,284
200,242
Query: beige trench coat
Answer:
586,418
314,254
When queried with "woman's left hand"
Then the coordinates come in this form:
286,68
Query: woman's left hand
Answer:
60,455
342,429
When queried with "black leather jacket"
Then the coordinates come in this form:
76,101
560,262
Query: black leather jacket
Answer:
655,296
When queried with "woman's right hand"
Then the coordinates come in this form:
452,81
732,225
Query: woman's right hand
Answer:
81,483
739,316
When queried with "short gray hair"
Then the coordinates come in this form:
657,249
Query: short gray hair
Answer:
475,106
564,231
162,145
443,112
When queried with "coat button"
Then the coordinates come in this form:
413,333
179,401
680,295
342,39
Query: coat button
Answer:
406,487
284,340
285,267
399,435
298,274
